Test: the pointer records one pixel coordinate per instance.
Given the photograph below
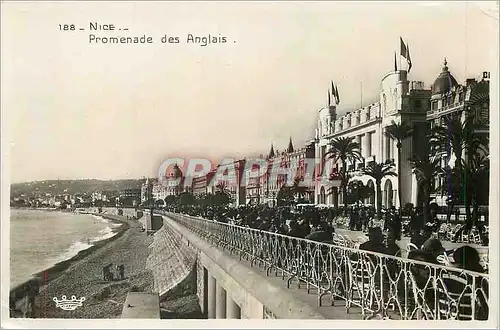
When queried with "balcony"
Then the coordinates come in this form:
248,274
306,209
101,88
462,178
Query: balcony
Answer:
446,109
370,159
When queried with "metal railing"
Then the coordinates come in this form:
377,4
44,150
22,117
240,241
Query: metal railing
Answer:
378,285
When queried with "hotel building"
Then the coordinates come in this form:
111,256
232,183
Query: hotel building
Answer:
400,100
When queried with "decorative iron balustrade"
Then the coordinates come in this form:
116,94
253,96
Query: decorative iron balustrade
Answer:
379,285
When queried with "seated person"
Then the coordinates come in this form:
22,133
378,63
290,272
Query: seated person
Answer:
466,257
295,230
456,285
421,274
323,233
417,237
391,247
434,223
434,248
375,241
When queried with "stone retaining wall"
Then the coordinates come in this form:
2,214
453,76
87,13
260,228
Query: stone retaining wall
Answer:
170,259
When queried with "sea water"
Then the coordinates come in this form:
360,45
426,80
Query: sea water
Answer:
40,239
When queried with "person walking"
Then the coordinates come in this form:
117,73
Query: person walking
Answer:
122,272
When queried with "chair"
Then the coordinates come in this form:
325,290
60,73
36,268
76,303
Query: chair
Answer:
348,241
454,297
361,274
476,237
361,239
421,301
443,259
411,247
485,261
339,240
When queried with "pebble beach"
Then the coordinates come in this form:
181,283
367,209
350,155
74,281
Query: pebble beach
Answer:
82,276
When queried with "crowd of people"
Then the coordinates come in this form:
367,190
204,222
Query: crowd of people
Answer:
319,224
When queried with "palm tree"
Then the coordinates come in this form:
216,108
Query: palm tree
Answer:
357,191
221,187
426,169
343,149
170,200
378,171
186,198
222,196
475,180
399,132
342,177
298,189
458,139
285,196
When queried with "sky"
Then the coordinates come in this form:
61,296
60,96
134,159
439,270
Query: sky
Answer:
74,110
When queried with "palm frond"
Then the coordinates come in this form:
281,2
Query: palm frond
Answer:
398,132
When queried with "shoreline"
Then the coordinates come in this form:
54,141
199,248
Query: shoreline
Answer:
45,276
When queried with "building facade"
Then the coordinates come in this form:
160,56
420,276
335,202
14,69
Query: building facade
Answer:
400,100
171,184
231,182
450,100
265,188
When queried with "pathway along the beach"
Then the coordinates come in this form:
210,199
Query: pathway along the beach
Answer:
85,279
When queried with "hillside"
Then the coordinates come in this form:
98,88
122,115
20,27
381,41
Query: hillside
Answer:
73,186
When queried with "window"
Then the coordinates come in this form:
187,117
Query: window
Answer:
387,147
360,142
417,105
434,105
369,136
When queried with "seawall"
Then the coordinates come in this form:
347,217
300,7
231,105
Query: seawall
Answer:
169,260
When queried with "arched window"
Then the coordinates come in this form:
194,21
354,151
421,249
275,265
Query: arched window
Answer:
385,102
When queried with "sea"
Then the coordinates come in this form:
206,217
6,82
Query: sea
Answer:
41,239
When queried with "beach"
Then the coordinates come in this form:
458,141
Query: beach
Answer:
81,276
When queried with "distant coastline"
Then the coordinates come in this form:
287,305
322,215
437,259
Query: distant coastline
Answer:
30,208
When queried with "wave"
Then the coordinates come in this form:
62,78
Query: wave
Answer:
81,245
72,251
106,221
104,234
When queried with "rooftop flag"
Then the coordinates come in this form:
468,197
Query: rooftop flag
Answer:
403,48
405,52
408,57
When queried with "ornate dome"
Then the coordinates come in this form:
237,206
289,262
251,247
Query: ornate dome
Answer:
444,82
174,172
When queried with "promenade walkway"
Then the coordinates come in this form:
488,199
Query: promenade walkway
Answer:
403,243
345,282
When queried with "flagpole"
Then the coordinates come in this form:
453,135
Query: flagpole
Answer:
361,94
400,67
